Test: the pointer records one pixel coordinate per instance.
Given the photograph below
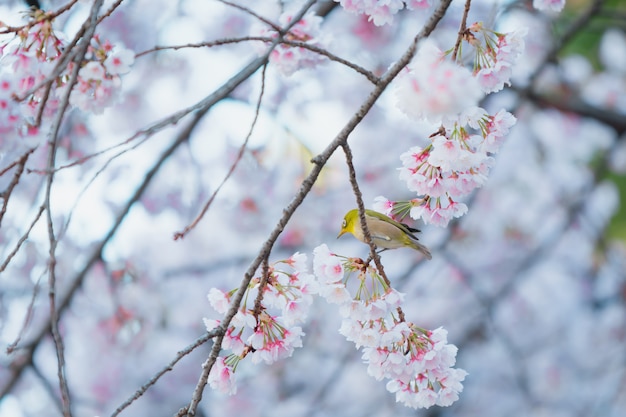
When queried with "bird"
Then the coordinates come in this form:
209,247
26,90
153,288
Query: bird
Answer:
386,233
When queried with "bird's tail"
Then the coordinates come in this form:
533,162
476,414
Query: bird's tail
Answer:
421,248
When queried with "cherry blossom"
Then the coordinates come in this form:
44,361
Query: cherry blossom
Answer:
418,363
433,87
381,12
119,61
266,332
289,59
496,57
222,377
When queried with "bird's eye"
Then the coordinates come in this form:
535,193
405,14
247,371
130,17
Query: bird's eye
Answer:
344,223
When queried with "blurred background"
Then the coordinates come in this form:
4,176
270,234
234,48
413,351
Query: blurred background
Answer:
530,284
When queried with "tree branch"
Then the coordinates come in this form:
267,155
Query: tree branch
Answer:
462,29
56,125
170,366
19,364
242,148
319,162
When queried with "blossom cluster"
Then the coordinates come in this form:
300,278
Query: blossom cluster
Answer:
438,90
25,63
265,327
455,163
381,12
289,59
417,363
29,62
432,87
495,55
99,79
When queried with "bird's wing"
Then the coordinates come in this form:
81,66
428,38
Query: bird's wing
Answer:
380,236
406,229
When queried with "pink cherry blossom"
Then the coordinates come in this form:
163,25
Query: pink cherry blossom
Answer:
383,205
119,61
433,87
219,300
326,266
289,59
222,377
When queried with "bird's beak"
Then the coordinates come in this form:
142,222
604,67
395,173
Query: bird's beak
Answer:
341,233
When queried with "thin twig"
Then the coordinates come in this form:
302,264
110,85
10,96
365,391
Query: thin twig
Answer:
27,317
196,397
109,11
366,232
48,387
265,277
14,163
242,149
43,16
313,48
22,239
359,202
95,154
170,366
18,365
6,194
209,44
95,176
298,44
211,99
462,29
254,14
56,125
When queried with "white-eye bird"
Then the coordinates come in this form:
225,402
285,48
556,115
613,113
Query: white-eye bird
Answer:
386,233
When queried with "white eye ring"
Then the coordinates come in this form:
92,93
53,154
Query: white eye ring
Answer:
344,223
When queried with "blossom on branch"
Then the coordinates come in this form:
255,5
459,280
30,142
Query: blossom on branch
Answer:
496,56
265,325
289,59
381,12
455,163
222,377
417,363
432,87
33,95
99,82
119,61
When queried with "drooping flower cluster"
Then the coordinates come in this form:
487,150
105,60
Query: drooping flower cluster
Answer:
495,56
99,79
25,62
458,159
381,12
417,363
455,163
287,58
30,60
265,325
